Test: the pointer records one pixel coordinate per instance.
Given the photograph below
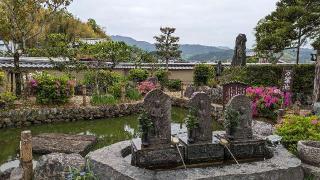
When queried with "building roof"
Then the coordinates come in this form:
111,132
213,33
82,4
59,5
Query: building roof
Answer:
46,63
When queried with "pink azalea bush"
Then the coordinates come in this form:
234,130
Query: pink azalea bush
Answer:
267,100
50,89
146,86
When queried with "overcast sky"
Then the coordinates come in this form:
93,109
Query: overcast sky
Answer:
207,22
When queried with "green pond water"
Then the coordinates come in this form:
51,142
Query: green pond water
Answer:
108,131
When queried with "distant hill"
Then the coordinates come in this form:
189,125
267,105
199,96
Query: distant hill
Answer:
190,52
132,42
196,52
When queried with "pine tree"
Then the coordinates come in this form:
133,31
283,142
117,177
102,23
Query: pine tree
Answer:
167,45
290,26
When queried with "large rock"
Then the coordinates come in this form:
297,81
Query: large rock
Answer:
262,129
62,143
309,152
311,171
16,174
6,174
316,108
56,166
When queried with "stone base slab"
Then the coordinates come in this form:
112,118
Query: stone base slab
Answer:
202,153
151,158
108,163
248,149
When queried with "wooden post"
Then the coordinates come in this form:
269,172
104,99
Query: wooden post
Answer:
123,94
26,155
181,90
84,95
296,108
280,115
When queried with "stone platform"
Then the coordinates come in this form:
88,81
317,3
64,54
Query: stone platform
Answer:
62,143
164,157
249,149
203,152
108,163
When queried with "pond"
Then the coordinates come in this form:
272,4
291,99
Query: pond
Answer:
108,131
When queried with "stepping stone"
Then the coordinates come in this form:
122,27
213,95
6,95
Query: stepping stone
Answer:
62,143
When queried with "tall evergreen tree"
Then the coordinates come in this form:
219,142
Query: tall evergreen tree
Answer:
290,26
167,45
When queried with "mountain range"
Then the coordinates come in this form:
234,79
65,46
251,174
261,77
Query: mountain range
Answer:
202,53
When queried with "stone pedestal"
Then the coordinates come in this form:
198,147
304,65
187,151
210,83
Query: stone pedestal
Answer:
155,158
250,149
203,152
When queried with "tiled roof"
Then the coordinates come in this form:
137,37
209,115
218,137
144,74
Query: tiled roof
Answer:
46,63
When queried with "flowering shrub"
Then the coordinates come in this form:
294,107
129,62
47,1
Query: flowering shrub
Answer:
266,100
295,128
51,89
146,86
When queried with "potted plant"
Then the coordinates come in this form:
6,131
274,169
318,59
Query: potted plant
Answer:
232,118
146,126
192,124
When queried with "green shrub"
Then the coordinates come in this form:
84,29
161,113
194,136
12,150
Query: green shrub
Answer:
233,74
138,75
202,74
212,83
2,77
7,99
84,174
270,75
303,80
115,90
296,128
133,94
163,76
51,89
105,99
102,78
174,85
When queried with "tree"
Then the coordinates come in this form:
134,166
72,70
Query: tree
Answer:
110,51
64,22
20,21
96,28
60,46
167,45
290,26
139,56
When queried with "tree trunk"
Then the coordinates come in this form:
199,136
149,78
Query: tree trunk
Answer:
97,84
298,55
298,47
17,73
316,89
167,64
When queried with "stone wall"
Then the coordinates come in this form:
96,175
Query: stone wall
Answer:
27,117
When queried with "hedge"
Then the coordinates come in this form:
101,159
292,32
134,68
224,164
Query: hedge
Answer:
270,75
202,74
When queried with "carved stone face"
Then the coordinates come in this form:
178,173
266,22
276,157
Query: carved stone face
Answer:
157,103
242,110
202,104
